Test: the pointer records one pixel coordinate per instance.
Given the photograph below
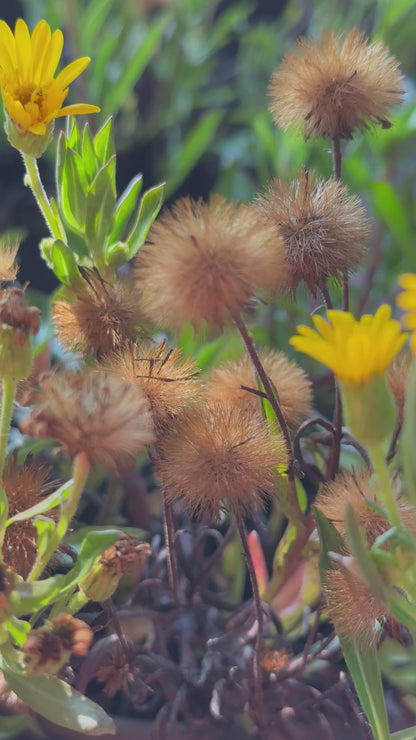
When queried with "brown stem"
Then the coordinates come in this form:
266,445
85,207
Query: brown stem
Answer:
276,408
335,452
259,615
345,292
171,559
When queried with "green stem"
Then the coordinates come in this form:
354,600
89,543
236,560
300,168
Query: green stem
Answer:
80,470
35,184
8,394
382,472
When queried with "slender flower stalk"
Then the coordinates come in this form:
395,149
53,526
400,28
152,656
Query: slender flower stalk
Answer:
381,470
8,393
35,183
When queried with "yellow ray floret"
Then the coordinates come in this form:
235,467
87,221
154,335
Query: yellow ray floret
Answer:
407,301
354,350
32,96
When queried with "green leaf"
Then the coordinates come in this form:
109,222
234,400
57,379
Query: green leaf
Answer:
330,539
125,206
391,211
103,143
59,703
47,503
196,144
408,438
72,192
408,734
64,263
150,206
18,629
93,545
116,254
100,204
359,549
89,158
365,672
33,596
74,140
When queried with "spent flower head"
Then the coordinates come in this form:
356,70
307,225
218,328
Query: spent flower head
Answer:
324,230
48,648
33,97
220,453
97,317
335,86
204,258
293,387
406,300
92,412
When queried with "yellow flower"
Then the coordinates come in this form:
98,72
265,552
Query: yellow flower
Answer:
32,96
407,301
354,350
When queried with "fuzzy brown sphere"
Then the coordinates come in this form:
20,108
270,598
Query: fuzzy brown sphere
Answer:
169,381
97,318
324,230
292,385
202,259
92,412
335,86
24,487
218,454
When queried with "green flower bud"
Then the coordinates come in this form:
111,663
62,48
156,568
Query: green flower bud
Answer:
25,141
369,410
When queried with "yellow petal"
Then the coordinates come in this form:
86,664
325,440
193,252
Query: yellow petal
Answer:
52,55
23,50
77,109
41,38
71,71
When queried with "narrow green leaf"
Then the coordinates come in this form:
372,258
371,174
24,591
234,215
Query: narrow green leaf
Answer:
391,211
47,503
330,539
150,206
72,193
94,15
74,139
89,158
125,206
359,549
365,672
408,734
116,254
18,629
59,703
103,143
100,204
33,596
64,264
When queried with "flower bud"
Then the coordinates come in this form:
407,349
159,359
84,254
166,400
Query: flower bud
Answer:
102,580
369,410
25,141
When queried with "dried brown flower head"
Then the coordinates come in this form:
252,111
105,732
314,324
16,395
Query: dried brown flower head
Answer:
97,318
24,487
355,489
324,229
352,607
292,385
126,555
168,380
47,649
92,412
397,377
8,267
336,86
220,453
202,259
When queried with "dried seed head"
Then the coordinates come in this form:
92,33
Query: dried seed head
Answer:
18,324
97,318
124,556
92,412
292,385
336,86
220,453
202,259
397,377
352,606
48,648
168,380
24,488
8,267
355,489
324,230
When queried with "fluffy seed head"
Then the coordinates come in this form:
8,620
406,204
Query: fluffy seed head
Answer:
168,380
220,453
94,412
24,488
336,86
355,489
324,230
8,267
204,258
97,318
292,385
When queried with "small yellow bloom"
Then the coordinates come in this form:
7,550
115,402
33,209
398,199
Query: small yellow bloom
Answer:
354,350
32,96
407,301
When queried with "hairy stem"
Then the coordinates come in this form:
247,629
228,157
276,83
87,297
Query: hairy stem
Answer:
35,183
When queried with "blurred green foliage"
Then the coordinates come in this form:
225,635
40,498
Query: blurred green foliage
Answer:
187,81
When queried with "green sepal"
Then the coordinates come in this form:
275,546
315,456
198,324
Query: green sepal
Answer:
150,206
